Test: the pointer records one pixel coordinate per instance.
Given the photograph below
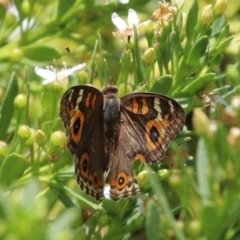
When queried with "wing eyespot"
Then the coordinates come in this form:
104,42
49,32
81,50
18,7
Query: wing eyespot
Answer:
76,126
84,165
154,134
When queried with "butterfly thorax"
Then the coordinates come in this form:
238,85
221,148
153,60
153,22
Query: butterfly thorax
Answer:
111,116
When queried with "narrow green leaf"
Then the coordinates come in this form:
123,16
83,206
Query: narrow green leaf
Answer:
152,222
222,145
218,24
158,190
141,71
63,7
41,53
12,169
92,63
197,84
162,85
203,167
83,200
213,230
62,196
168,48
198,51
7,108
125,68
192,21
217,49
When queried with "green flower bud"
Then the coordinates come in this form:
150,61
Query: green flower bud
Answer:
16,55
24,131
180,225
220,6
142,178
163,174
57,86
26,7
20,100
175,179
40,137
1,93
207,15
193,229
32,137
149,56
3,148
200,121
58,138
10,19
148,26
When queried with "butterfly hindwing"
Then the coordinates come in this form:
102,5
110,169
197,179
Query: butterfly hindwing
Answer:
121,178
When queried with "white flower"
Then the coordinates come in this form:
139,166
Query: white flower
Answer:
50,74
124,1
126,30
106,192
27,23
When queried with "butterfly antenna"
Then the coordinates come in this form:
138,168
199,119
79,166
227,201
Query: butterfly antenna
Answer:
68,49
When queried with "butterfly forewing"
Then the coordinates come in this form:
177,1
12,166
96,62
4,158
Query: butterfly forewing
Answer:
152,121
82,115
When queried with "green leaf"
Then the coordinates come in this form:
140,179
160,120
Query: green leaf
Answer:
162,85
41,53
168,48
197,84
12,169
161,199
63,7
217,49
192,21
198,51
152,223
218,24
203,168
7,108
62,196
140,73
213,230
222,145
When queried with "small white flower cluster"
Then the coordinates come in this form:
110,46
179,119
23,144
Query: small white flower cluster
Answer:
126,30
50,74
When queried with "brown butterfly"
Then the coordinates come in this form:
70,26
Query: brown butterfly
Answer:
106,134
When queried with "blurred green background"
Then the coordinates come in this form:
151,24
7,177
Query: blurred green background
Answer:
191,55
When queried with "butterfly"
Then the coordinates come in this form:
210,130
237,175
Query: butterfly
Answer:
106,134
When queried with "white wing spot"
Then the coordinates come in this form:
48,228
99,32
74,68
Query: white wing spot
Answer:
157,107
171,106
70,95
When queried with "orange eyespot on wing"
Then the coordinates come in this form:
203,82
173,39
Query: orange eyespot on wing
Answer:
83,165
76,125
123,186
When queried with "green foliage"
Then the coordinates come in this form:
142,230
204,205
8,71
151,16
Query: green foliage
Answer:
193,193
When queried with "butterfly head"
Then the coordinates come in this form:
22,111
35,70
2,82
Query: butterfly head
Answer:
110,89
